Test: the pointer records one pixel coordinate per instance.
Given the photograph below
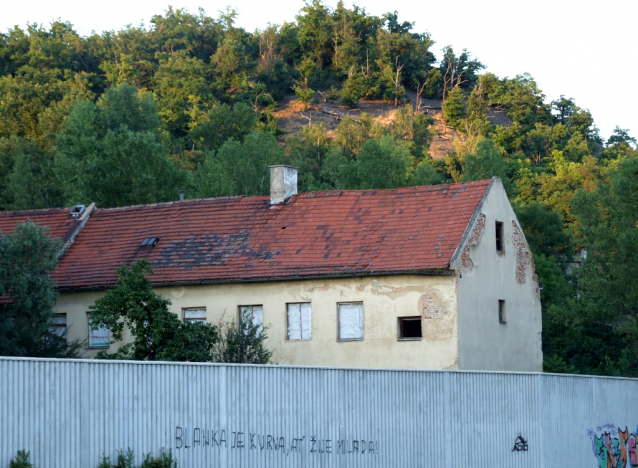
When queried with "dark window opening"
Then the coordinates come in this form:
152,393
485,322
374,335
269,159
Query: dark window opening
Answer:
499,237
410,328
501,311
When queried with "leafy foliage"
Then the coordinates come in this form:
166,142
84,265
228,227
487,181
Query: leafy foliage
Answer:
125,459
242,343
21,460
158,334
28,256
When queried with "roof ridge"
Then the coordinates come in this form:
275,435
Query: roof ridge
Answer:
174,202
412,188
33,211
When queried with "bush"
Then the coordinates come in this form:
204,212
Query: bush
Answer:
21,460
242,343
304,95
454,108
125,460
356,87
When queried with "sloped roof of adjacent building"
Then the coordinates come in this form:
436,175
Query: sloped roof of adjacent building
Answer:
58,220
315,234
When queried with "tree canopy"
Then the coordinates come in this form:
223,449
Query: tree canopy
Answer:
28,256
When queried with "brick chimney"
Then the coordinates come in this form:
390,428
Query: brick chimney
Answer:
283,183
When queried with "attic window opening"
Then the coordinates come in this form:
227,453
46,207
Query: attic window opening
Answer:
149,242
499,237
410,328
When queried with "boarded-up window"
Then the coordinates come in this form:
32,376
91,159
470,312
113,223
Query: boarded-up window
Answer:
254,313
58,325
99,338
351,321
197,314
299,321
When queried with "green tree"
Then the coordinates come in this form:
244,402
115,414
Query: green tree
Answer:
242,343
486,163
545,233
239,168
596,330
210,129
179,81
381,164
28,256
113,153
31,182
454,108
158,334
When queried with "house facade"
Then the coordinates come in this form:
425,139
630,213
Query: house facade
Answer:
436,277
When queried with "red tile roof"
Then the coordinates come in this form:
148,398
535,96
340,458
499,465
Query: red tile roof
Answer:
239,238
58,220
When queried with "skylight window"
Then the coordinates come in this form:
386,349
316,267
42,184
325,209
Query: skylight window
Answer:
149,242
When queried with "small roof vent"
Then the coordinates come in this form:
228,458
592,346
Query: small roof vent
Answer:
149,242
77,210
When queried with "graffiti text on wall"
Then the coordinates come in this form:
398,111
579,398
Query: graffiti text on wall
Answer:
614,447
186,438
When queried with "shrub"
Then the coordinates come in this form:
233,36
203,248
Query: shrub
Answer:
125,460
304,95
356,87
21,460
242,343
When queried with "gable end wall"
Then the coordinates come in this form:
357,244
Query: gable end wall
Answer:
485,277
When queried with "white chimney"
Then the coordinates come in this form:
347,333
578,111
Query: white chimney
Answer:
283,183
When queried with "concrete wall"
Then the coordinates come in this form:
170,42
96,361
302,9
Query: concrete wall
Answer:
384,300
70,413
484,343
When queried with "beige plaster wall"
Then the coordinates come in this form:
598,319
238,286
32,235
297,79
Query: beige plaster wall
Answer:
486,344
384,300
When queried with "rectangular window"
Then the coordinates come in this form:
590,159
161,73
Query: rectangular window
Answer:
299,321
99,338
499,237
501,311
410,328
254,313
350,321
58,325
194,314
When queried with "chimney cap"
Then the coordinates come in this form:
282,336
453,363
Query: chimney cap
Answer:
283,165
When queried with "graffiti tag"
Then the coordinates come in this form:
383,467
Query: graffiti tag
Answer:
520,444
612,451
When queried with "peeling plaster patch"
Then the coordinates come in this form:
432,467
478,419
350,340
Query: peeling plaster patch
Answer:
524,258
430,310
454,366
475,238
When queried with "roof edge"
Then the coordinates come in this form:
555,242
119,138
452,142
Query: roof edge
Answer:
429,272
468,228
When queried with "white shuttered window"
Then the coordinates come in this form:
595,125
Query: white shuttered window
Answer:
99,338
351,321
299,321
254,313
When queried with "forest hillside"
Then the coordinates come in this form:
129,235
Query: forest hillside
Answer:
356,101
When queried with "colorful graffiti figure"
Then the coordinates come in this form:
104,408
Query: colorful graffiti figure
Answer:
616,452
